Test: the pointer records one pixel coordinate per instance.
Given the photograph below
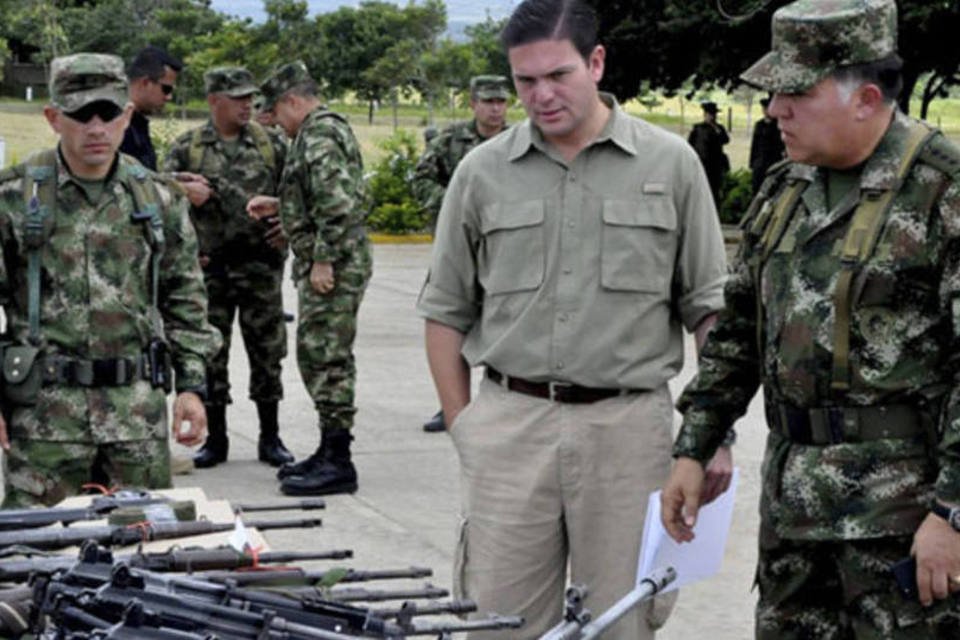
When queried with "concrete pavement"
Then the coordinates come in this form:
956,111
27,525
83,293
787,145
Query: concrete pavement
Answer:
405,512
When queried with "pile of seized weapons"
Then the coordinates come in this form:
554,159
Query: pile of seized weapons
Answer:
197,593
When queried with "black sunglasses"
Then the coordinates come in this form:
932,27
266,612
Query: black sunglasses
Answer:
166,88
105,110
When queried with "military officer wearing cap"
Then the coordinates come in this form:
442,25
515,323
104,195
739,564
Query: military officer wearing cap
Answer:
844,306
242,259
102,292
323,205
445,150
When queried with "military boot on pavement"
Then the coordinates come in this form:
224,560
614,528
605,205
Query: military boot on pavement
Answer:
331,470
214,450
270,448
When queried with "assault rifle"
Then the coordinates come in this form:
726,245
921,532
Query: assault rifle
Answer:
174,560
93,598
295,576
353,594
132,534
577,624
102,506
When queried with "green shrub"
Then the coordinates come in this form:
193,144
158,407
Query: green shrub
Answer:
735,196
394,207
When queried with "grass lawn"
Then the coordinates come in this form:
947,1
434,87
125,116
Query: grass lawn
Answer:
24,129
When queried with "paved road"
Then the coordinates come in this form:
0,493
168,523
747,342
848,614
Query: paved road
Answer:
405,512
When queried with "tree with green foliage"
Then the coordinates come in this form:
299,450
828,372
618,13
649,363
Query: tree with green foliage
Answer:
664,44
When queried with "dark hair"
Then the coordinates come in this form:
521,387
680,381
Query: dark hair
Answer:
886,73
149,63
535,20
308,89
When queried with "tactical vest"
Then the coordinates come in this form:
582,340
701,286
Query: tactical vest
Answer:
20,367
768,222
260,139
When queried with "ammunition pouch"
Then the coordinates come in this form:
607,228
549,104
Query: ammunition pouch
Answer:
22,374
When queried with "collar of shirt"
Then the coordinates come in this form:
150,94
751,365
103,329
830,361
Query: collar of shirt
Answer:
616,130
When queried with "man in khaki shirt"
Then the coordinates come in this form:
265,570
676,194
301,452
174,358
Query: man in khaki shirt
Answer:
571,252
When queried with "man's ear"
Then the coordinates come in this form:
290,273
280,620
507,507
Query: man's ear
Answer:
868,100
53,115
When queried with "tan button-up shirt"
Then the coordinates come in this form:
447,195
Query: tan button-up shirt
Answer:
578,272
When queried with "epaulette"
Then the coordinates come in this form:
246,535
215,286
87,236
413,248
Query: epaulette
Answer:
14,172
943,155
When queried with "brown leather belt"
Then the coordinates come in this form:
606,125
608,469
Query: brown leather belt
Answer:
554,391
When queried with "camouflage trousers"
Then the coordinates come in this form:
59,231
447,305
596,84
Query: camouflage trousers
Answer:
326,328
45,472
253,291
842,590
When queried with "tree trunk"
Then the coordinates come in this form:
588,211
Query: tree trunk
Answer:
396,107
370,112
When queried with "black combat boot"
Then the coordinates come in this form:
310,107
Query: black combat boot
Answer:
331,472
214,450
270,448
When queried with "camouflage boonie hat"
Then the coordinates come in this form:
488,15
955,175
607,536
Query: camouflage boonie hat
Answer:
78,80
814,38
282,80
489,87
235,82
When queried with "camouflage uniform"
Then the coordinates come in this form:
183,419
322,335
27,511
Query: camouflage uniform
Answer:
323,206
244,273
95,303
861,439
446,149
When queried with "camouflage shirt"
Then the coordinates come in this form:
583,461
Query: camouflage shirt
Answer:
323,197
224,229
904,341
439,159
96,298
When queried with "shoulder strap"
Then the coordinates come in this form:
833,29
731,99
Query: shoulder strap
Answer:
146,202
858,245
40,194
195,153
263,144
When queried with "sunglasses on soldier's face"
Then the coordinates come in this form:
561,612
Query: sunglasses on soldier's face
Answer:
166,88
105,110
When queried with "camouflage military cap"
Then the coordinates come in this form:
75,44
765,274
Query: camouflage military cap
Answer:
489,87
814,38
82,78
282,80
235,82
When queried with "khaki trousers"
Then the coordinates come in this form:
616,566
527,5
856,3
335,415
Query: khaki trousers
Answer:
547,487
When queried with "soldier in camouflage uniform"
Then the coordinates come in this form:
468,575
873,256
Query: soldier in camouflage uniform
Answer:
242,259
98,279
445,150
323,205
844,304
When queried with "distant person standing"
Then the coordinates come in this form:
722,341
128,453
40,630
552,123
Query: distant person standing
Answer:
242,259
322,205
708,138
153,76
766,147
445,150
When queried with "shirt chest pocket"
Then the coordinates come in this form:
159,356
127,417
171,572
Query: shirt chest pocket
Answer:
638,244
512,255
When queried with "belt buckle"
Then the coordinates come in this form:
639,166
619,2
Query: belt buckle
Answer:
554,387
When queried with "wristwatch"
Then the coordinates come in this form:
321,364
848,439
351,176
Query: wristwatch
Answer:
950,514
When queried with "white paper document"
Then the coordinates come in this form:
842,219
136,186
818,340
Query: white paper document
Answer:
693,560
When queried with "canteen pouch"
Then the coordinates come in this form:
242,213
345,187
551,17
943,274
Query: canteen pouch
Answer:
22,377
